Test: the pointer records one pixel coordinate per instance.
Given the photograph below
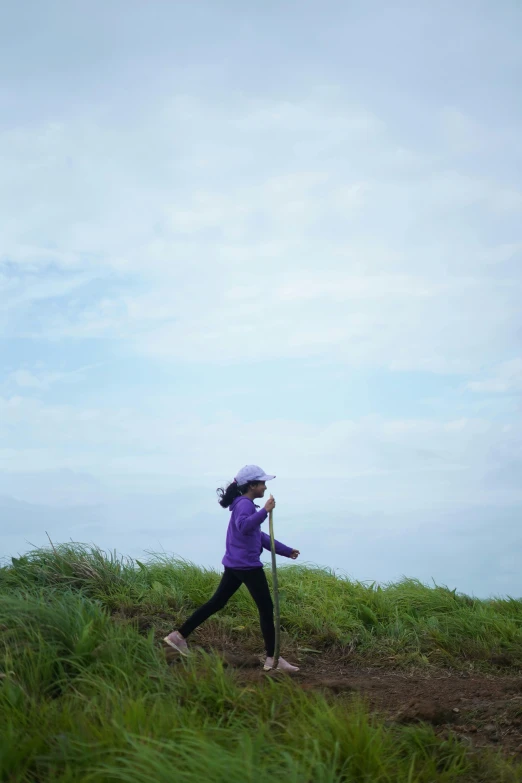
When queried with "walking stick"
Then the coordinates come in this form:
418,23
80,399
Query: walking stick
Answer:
276,590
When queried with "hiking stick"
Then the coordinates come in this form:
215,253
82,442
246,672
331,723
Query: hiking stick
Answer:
276,590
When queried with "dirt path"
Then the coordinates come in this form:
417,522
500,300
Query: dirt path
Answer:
482,710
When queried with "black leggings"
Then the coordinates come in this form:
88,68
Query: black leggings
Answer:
231,581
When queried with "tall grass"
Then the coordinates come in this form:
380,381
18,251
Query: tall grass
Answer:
84,697
402,623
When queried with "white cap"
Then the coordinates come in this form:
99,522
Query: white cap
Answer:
252,473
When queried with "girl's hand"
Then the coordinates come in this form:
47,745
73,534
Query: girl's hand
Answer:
270,504
295,554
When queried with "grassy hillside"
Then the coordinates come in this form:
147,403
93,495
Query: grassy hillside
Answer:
86,692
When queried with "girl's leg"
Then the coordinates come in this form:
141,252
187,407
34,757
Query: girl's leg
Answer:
257,585
226,589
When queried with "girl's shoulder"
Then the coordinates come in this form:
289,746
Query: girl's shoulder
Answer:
244,503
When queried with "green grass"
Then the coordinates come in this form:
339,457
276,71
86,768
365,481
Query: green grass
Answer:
86,697
403,623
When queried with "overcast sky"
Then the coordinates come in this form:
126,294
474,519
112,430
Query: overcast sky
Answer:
287,233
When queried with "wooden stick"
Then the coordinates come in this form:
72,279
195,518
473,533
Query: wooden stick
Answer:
276,590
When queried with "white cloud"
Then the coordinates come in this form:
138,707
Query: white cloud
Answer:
394,321
41,379
376,461
506,378
462,133
454,190
467,136
212,313
309,251
27,379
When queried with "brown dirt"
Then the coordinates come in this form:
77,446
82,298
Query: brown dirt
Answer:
483,710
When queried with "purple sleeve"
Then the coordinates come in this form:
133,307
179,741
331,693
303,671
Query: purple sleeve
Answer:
246,522
281,549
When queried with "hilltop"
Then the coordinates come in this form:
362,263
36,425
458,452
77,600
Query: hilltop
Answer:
401,682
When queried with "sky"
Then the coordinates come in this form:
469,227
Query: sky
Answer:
280,233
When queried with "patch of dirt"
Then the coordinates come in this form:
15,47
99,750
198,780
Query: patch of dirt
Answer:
483,710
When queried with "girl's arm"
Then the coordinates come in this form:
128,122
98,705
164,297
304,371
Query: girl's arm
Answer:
247,522
281,549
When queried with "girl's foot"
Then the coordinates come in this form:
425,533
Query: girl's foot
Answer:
282,665
176,640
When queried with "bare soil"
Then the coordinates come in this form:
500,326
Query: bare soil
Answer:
482,710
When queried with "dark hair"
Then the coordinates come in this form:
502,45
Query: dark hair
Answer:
232,491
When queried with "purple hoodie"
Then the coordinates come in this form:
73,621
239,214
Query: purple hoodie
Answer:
245,541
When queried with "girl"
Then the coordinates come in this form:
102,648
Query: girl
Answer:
245,542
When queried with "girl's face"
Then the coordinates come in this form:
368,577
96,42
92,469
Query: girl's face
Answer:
259,488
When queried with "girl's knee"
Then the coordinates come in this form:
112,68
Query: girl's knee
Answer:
267,615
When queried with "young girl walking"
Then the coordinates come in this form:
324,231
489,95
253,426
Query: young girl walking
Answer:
245,542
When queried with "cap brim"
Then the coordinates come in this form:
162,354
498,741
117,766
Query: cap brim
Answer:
266,477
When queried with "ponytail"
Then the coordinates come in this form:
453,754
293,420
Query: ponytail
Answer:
232,491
